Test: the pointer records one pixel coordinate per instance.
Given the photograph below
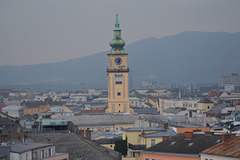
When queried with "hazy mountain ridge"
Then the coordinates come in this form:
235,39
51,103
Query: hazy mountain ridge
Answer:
185,57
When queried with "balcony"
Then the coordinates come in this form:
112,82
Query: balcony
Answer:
136,147
118,70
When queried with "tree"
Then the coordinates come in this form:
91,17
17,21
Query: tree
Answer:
121,146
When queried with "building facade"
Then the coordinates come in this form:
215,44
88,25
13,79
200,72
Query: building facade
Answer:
233,79
36,110
118,98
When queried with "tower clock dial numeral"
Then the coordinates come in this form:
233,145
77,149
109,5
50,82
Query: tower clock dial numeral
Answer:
118,60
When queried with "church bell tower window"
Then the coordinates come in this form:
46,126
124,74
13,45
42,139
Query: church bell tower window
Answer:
118,79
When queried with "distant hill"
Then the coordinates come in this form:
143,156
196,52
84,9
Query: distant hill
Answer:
197,57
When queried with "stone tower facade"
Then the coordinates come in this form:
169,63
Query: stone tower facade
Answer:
118,98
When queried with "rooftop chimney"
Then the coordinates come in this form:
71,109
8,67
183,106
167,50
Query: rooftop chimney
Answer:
188,135
22,136
165,125
204,120
225,137
9,134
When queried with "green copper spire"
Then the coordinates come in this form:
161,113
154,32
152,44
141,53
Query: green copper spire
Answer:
117,43
116,22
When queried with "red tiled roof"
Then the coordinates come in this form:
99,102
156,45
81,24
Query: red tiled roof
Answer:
92,111
229,148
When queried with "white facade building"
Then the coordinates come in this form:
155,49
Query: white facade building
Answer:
233,79
171,103
14,111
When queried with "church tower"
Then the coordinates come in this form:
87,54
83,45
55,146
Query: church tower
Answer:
118,99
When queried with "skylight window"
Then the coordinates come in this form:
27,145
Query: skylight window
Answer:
172,143
190,144
219,140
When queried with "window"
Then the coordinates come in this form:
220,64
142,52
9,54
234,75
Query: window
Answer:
139,154
118,79
26,156
131,153
50,152
34,155
153,159
146,158
42,153
119,93
153,142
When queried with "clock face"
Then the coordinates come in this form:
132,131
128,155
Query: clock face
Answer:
118,60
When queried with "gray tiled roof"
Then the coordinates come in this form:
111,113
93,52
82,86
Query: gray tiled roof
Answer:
101,119
142,110
19,149
24,147
137,129
76,146
169,118
179,145
172,110
31,145
164,133
205,100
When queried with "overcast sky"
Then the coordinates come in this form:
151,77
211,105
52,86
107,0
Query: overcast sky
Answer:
42,31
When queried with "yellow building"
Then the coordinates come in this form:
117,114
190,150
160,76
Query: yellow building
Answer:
153,102
118,98
36,110
205,104
141,138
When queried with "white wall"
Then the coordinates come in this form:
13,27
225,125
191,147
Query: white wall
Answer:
25,156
